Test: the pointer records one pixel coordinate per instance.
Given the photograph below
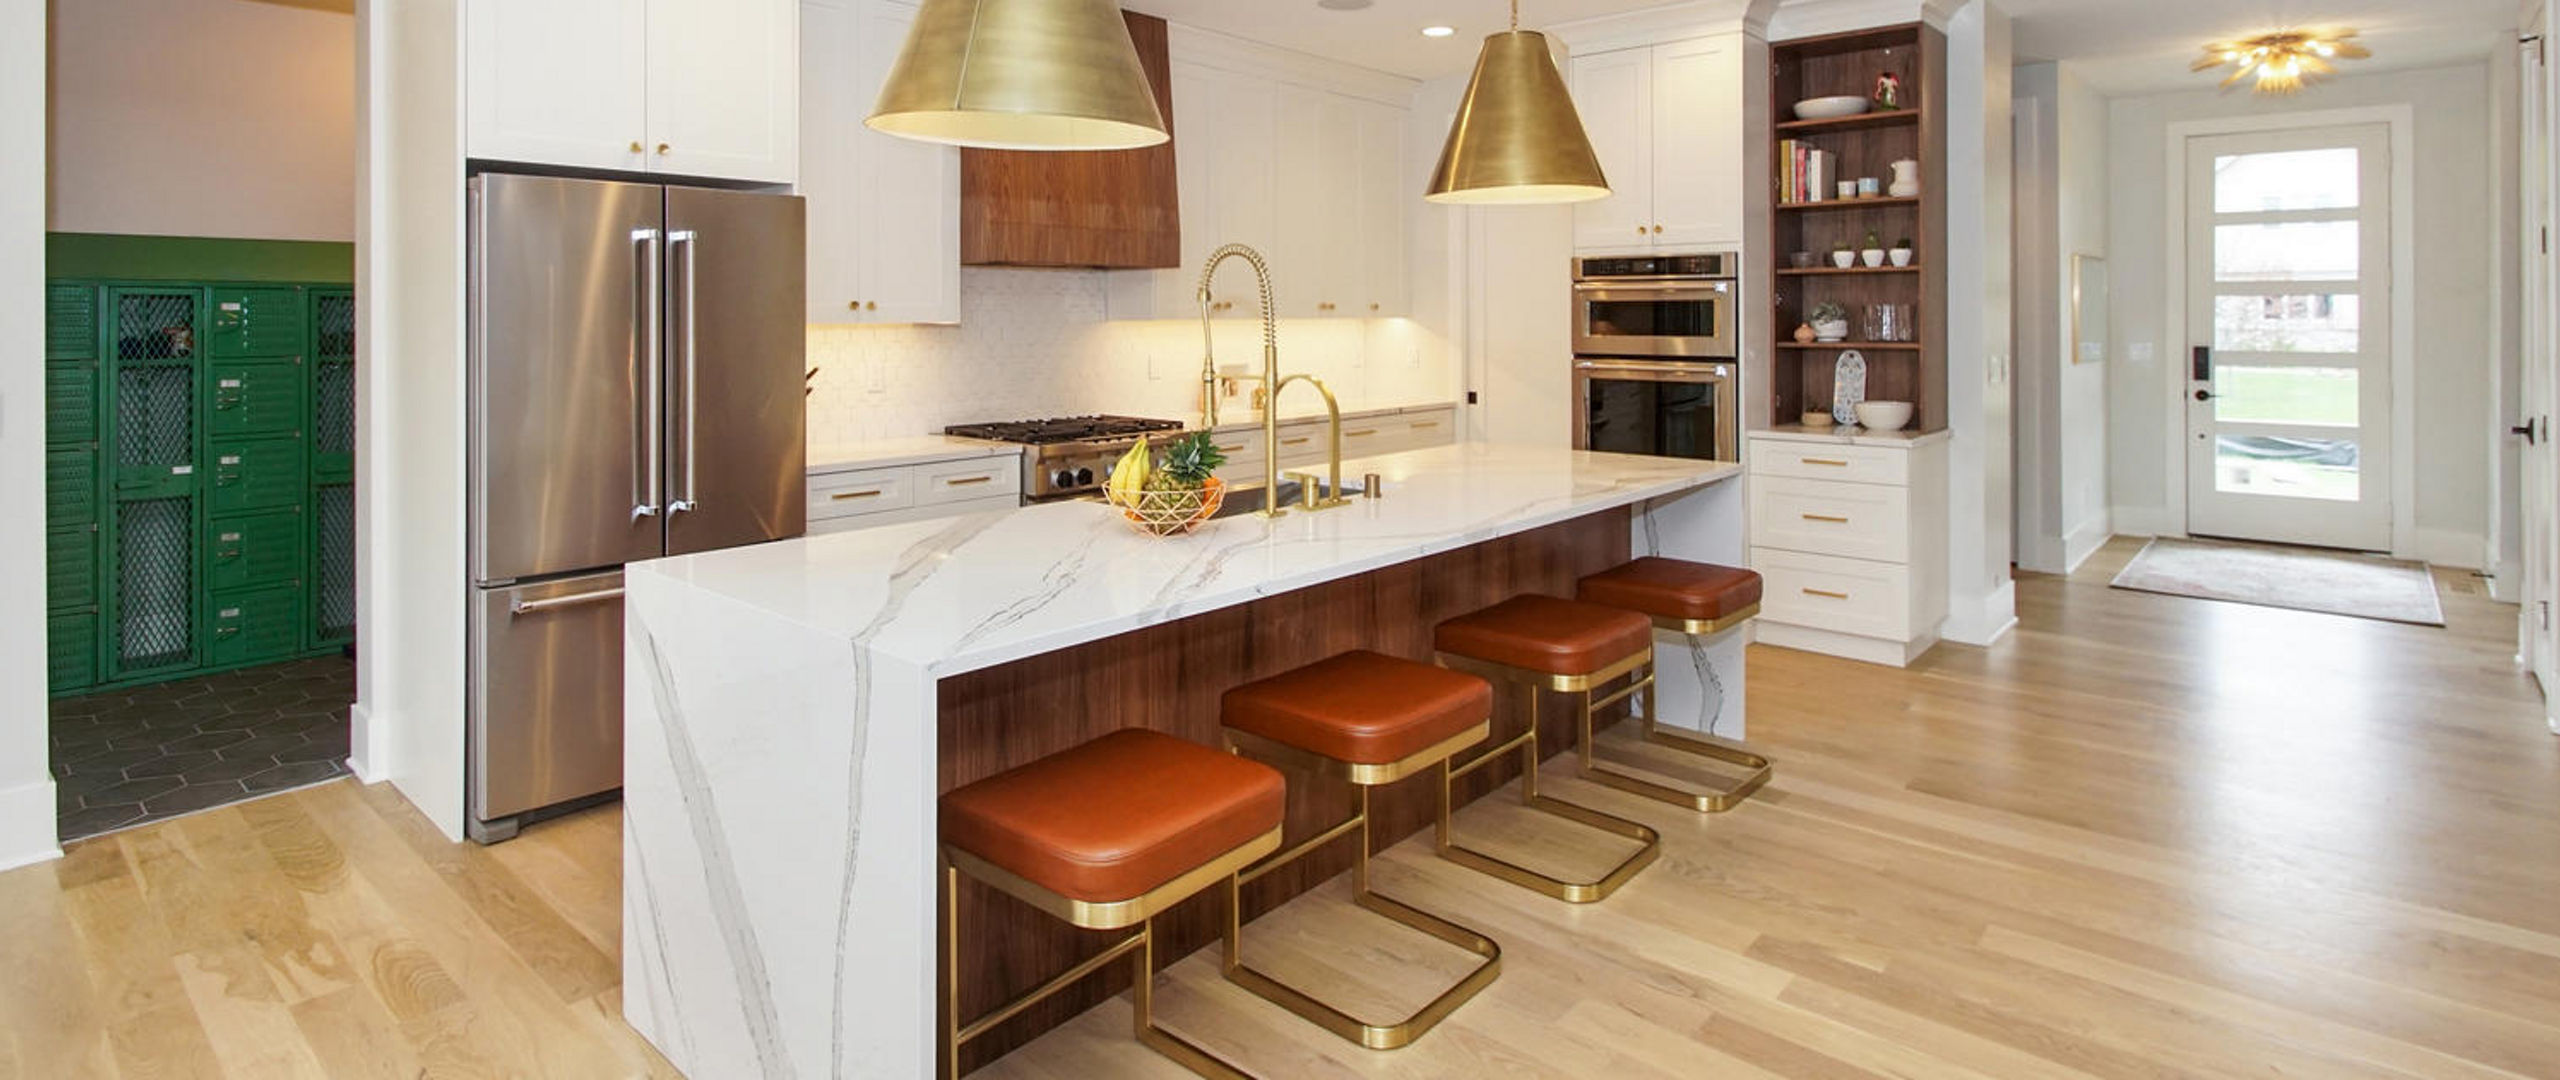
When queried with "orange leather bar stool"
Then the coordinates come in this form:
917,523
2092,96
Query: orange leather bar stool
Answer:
1104,836
1542,643
1699,600
1369,720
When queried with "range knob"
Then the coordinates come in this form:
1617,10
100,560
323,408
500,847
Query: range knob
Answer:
1084,476
1066,478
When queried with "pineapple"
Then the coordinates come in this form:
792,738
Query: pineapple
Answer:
1188,464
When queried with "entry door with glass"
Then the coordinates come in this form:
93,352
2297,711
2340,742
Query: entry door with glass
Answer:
2288,320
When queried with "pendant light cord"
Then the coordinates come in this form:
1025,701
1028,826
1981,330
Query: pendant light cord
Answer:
1515,16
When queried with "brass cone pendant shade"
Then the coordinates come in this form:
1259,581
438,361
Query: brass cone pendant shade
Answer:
1020,75
1517,138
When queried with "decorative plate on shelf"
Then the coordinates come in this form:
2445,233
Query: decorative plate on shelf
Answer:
1848,386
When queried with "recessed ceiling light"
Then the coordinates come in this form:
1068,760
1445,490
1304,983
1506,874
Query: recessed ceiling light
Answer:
1438,31
1343,5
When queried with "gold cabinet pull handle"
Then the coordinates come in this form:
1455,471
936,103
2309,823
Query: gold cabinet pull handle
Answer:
847,496
1827,594
1833,462
1420,425
1226,449
662,149
1360,434
636,147
1834,519
1297,441
853,305
965,481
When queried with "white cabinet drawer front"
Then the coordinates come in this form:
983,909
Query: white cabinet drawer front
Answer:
865,491
1812,461
1827,517
953,481
1848,596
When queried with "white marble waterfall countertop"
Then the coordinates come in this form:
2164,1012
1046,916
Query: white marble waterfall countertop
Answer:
971,592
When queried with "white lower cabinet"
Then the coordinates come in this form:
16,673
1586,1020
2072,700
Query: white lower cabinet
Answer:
1303,442
1850,541
844,498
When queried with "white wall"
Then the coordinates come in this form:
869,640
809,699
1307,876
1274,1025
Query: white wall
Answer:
203,118
2459,327
1035,343
1980,597
26,785
409,390
2061,211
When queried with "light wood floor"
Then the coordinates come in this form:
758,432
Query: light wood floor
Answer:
2142,837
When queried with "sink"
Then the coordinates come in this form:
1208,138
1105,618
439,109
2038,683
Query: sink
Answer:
1248,500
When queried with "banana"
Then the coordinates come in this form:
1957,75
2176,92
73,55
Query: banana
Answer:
1129,474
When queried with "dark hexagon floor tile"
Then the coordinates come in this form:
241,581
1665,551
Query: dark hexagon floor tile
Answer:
194,797
315,750
172,765
112,762
264,746
233,721
66,799
97,819
207,740
293,775
229,769
133,791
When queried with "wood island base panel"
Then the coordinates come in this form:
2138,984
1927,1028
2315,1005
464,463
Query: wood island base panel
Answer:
795,709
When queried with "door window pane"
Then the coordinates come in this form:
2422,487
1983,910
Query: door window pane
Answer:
2286,468
2291,251
2292,180
2289,323
2284,395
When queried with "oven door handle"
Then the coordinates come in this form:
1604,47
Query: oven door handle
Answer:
1709,372
1702,288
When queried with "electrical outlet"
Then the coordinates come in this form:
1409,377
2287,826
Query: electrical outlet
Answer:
1413,360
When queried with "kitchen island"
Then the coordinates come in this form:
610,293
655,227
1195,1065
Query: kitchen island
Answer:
794,709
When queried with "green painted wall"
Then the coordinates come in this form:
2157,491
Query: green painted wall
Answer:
196,258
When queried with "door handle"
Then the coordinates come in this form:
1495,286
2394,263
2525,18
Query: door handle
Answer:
685,241
646,492
555,603
2531,436
2204,395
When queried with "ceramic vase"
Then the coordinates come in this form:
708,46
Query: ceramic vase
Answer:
1873,257
1906,179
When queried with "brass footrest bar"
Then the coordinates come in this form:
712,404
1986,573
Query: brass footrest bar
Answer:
1308,1007
1576,892
1705,800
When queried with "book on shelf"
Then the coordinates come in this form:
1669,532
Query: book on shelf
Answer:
1806,173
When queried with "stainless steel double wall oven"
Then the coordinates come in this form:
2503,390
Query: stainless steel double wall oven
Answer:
1656,363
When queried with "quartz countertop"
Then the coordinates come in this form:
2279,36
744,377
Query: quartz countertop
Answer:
1851,435
983,589
912,450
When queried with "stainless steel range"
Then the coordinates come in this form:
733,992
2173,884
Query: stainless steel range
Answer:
1067,457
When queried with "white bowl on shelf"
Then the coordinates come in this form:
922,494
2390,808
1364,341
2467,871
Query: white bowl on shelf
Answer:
1832,108
1883,415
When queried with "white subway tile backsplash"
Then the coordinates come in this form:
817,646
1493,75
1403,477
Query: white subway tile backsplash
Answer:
1035,343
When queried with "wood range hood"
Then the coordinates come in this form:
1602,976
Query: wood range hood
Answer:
1114,209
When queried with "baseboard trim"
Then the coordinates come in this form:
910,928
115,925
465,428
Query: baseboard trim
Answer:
2085,541
365,757
2144,521
1865,650
1983,622
27,825
2445,547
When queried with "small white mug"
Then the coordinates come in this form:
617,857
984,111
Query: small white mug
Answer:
1848,189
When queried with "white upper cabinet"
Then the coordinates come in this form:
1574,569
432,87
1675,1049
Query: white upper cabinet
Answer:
884,213
1310,176
705,88
724,88
1667,124
558,82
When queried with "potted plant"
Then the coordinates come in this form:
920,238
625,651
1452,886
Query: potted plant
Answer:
1901,252
1842,257
1830,321
1873,253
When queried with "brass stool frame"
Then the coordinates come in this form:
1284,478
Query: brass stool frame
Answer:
1139,911
1364,776
1577,892
1708,801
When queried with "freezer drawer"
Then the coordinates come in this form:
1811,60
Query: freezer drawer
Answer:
546,697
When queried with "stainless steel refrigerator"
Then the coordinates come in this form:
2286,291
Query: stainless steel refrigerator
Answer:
635,379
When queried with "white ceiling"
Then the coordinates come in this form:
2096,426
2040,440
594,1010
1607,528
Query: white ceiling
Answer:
2122,46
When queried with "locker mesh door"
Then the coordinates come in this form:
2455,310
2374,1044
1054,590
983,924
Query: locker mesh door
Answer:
70,402
334,552
70,322
155,327
333,417
333,326
155,422
155,588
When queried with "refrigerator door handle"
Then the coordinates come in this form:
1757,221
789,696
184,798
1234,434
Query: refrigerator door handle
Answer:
686,243
554,603
646,480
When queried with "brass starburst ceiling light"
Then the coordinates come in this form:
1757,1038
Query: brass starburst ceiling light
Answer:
2283,62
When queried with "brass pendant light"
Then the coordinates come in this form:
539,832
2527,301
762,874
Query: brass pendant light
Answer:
1517,139
1020,75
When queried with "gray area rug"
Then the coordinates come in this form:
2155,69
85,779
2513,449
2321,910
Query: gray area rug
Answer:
2338,583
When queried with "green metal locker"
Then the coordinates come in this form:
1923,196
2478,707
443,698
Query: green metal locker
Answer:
70,321
256,549
151,604
70,402
333,578
70,486
71,652
256,625
265,398
257,474
257,323
71,568
333,386
155,443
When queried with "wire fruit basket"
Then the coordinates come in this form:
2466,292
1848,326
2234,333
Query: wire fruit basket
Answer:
1170,513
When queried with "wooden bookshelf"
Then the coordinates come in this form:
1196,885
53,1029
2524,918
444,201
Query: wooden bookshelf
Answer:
1915,371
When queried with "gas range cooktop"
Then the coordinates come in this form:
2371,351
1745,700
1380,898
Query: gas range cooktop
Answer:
1063,429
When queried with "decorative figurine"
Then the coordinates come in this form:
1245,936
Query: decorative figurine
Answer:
1804,333
1888,91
